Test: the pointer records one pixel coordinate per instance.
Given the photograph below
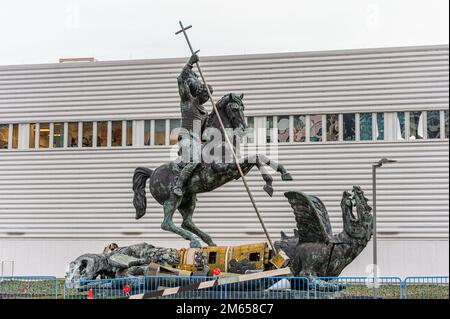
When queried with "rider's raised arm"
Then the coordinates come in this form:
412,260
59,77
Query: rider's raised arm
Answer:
183,87
185,74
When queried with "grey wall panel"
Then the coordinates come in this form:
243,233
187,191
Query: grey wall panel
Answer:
87,193
348,81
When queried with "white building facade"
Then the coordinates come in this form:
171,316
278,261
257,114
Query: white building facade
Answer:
71,135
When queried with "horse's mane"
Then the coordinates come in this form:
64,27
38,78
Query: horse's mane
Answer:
224,100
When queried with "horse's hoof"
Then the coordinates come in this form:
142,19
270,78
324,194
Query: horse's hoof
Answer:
195,244
268,189
286,177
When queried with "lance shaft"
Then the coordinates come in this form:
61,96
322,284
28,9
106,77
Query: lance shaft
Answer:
244,180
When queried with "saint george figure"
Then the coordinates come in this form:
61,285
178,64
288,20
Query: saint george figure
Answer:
193,95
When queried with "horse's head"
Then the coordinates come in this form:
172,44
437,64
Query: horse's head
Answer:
231,109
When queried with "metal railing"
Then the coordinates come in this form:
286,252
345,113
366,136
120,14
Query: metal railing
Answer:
28,287
118,288
46,287
266,288
426,287
357,288
155,283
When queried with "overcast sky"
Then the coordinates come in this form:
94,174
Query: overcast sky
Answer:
44,31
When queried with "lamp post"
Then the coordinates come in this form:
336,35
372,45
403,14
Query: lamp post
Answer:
374,209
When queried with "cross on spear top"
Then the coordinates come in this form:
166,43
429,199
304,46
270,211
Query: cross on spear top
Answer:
244,180
183,29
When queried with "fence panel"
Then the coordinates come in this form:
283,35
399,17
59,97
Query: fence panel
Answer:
28,287
118,288
46,287
265,288
268,288
357,288
154,283
426,287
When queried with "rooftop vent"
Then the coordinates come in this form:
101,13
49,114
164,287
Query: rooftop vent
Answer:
66,60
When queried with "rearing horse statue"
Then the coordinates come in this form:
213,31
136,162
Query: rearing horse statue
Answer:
206,178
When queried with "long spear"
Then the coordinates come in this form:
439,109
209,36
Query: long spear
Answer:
244,180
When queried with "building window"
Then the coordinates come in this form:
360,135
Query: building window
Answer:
446,123
72,134
160,132
379,129
365,126
433,124
116,134
15,136
349,127
400,125
32,137
58,135
316,128
102,134
129,133
44,135
251,130
299,128
88,129
332,127
147,132
269,129
283,129
4,136
174,131
416,125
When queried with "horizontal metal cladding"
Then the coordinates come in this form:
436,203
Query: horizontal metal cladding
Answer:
392,79
87,193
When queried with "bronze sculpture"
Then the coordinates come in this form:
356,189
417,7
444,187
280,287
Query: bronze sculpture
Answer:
314,250
193,95
202,176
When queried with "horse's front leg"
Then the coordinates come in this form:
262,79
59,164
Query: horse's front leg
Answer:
254,160
285,176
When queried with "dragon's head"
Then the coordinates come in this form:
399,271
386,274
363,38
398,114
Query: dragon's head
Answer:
359,226
84,268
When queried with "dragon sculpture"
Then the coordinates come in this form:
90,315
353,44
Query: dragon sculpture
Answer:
314,250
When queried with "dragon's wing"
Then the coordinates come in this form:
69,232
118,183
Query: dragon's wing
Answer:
311,216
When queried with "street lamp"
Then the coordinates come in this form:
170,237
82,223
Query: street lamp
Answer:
374,209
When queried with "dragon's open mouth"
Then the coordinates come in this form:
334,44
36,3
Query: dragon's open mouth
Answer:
350,203
353,218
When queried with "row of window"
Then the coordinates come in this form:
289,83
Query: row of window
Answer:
86,134
357,127
281,129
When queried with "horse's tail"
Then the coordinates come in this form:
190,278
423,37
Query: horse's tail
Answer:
141,174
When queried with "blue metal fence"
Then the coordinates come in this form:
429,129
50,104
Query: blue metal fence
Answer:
426,287
268,288
357,288
117,288
28,287
46,287
163,282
